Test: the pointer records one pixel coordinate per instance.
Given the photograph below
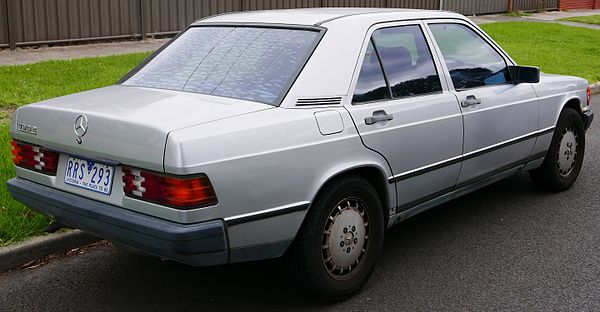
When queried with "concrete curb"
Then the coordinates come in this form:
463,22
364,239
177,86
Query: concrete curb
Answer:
14,256
595,88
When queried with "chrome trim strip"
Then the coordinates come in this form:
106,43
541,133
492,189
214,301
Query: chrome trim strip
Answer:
507,142
267,213
427,168
454,160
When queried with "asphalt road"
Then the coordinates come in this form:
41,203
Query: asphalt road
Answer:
509,246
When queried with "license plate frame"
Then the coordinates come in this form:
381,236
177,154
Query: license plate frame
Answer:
86,178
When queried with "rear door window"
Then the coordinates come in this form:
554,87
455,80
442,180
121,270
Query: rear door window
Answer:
400,58
407,61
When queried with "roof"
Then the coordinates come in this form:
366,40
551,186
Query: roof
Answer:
317,16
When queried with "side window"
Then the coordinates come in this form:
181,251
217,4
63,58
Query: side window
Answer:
407,61
371,84
472,62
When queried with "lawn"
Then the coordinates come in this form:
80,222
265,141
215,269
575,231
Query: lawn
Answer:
592,19
24,84
555,48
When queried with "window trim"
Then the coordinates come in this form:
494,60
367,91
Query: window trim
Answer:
320,30
385,79
503,55
369,38
383,71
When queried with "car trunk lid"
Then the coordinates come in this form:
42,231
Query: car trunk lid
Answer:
126,125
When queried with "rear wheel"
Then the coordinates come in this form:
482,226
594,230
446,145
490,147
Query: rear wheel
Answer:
340,240
563,162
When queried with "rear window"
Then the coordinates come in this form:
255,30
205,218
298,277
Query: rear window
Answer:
249,63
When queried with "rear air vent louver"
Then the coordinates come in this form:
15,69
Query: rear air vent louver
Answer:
319,101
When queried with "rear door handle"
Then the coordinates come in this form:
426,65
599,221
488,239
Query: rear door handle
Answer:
470,100
378,116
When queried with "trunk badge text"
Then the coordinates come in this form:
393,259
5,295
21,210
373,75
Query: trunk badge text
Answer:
80,127
27,128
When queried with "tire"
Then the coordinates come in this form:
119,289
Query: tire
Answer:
340,270
563,162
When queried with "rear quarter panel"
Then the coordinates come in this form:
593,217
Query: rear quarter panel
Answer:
264,160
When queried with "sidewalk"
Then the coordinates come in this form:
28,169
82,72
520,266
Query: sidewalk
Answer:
33,55
546,17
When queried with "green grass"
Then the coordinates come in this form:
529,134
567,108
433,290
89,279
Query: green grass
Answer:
555,48
23,84
592,19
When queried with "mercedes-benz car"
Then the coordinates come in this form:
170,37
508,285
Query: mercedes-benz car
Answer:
298,133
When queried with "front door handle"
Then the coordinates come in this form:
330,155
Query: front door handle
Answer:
378,116
470,100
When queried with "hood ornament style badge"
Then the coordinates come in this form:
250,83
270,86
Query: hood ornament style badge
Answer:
80,127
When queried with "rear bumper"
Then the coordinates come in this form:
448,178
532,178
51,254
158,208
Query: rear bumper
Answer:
588,118
200,244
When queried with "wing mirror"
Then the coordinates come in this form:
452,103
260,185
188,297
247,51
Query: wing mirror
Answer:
524,74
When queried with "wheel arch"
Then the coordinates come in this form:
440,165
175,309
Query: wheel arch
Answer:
574,103
372,173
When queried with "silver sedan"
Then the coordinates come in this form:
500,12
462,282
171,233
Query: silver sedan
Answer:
297,133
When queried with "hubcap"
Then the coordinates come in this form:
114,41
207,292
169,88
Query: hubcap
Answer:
567,152
345,237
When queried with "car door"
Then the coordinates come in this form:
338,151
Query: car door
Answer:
404,111
500,118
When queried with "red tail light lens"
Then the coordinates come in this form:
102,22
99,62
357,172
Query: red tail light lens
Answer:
589,96
34,157
173,191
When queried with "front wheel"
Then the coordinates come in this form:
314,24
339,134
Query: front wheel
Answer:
340,240
563,162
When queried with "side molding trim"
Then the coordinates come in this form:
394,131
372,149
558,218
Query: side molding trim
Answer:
473,154
267,213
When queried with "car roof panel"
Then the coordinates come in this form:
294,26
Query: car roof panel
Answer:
316,16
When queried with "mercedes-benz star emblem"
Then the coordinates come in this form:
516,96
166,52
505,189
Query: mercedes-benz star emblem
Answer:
80,127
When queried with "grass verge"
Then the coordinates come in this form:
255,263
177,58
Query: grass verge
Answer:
591,19
23,84
555,48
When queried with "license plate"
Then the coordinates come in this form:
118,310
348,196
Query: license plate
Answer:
89,175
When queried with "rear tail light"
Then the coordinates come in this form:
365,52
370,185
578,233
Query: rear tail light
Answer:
34,157
589,96
173,191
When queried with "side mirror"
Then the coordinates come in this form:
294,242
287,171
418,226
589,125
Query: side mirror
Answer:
524,74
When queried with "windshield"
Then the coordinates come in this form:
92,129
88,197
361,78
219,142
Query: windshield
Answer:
250,63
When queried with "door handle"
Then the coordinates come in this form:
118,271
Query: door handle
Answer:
470,100
378,116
